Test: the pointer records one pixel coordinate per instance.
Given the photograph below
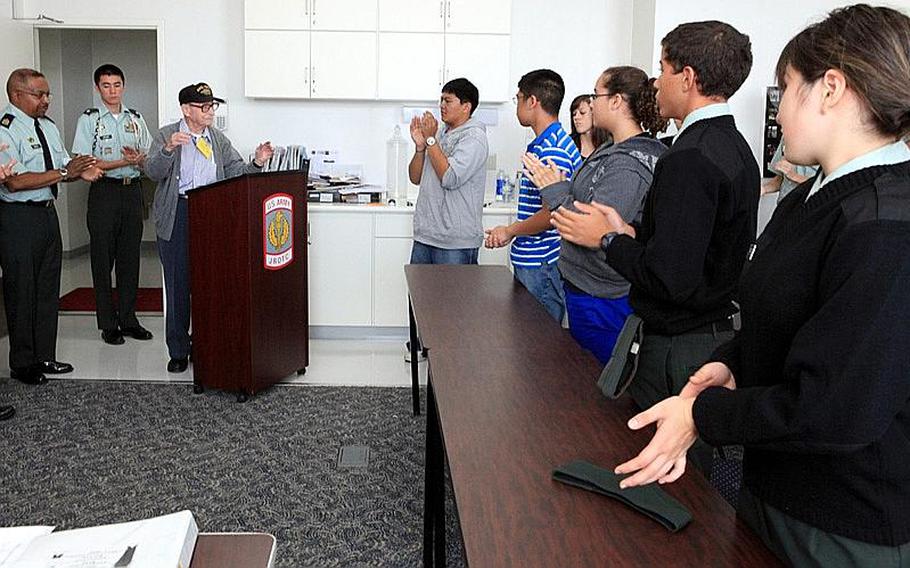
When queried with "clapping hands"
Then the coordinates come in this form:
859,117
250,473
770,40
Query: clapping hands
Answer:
6,170
423,127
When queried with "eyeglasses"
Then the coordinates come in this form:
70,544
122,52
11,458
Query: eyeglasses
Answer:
206,107
593,96
38,94
518,98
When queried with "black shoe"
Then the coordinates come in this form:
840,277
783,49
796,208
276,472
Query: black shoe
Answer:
177,365
112,336
6,412
29,375
137,332
55,367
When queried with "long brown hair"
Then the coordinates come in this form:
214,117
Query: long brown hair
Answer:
871,47
639,91
598,135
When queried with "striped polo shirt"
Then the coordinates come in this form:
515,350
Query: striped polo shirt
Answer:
543,248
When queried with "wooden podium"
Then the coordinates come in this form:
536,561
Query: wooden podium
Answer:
248,281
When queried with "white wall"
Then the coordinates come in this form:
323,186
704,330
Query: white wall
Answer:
16,43
203,41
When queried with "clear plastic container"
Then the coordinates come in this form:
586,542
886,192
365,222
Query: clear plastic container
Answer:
397,167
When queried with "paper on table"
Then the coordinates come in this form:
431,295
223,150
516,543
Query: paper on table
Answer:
13,540
166,541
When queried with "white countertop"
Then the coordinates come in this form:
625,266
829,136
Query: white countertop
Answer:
495,208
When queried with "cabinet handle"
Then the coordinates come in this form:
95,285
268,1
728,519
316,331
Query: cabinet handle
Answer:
306,7
449,18
313,80
440,76
442,9
313,11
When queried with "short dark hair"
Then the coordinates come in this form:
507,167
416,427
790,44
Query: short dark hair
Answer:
720,55
464,90
871,47
19,78
108,69
547,86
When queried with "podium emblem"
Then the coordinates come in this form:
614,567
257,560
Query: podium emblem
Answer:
278,231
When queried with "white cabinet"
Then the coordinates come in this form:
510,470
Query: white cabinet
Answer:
343,15
411,15
411,66
269,71
479,16
464,51
390,306
343,65
369,49
340,268
276,15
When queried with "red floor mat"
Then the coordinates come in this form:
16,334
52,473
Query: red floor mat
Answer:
148,300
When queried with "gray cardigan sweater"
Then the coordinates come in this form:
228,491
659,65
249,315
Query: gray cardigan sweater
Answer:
618,176
163,167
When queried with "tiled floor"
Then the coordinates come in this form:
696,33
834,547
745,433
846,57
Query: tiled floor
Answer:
367,362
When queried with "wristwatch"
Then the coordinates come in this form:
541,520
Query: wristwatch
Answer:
607,239
63,173
431,141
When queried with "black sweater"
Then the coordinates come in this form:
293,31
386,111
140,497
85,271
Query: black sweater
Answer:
822,363
698,221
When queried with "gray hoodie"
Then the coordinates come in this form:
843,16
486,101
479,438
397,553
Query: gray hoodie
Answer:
449,211
618,176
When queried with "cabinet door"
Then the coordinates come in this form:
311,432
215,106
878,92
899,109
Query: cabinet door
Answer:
390,289
499,256
343,65
483,60
411,15
479,16
412,66
276,64
276,15
340,268
347,15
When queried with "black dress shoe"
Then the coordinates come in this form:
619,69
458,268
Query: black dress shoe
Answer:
112,336
137,332
55,367
177,365
29,375
6,412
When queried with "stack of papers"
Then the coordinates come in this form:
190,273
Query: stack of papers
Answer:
161,542
286,158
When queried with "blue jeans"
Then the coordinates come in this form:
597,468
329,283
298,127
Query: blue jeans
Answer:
545,284
596,322
426,254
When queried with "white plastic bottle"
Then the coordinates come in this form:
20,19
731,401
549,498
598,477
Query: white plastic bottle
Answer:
397,167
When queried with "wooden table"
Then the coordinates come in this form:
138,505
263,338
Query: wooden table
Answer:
510,397
234,550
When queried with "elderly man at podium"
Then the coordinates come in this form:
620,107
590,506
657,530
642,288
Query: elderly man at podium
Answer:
185,155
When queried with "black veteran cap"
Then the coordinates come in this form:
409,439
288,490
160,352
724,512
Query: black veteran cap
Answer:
198,93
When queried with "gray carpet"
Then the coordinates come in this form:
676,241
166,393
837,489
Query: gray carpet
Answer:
82,453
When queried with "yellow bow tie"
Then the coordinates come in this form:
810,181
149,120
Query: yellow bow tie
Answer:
204,147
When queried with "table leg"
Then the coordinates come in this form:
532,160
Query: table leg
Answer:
415,386
434,512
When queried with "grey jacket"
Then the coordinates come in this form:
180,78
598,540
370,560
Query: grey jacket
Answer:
164,168
618,176
449,211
